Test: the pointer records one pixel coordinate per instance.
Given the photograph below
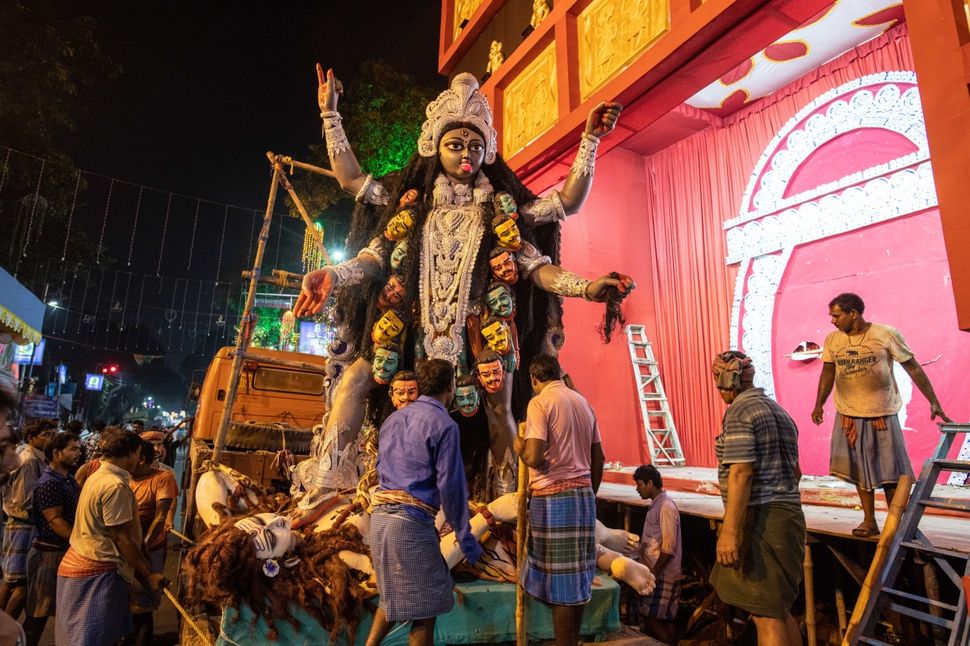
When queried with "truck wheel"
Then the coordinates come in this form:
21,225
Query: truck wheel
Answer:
266,437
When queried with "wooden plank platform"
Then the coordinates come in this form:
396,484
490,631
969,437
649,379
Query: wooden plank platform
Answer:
944,531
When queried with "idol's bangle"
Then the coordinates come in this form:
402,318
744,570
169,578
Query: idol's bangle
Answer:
585,161
333,133
569,284
349,272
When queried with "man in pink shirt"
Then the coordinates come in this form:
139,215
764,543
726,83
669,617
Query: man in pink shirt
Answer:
562,448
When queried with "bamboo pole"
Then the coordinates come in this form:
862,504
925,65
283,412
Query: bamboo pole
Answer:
840,602
879,559
245,328
522,526
274,160
204,636
182,537
809,574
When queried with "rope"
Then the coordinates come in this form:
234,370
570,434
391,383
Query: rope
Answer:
225,218
104,223
134,225
161,248
185,615
195,222
70,217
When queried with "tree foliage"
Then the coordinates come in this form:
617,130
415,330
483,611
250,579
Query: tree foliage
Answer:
383,110
50,55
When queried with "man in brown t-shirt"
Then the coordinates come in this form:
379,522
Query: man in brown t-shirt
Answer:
867,447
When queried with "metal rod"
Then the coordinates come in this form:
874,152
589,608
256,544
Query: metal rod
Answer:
286,363
185,615
245,325
274,160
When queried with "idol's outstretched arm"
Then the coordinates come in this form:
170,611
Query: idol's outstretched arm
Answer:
557,280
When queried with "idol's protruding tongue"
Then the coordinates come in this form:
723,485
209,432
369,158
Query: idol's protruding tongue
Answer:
467,167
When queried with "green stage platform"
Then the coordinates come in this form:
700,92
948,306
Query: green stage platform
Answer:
484,612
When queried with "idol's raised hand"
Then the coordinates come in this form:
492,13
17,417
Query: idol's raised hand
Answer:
603,118
328,89
314,292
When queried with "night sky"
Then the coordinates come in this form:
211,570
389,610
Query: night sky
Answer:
208,87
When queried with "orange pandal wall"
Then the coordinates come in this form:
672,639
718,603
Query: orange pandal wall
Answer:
692,187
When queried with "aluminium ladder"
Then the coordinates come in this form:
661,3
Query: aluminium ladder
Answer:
946,618
662,440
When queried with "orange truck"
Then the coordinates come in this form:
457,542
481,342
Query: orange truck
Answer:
276,408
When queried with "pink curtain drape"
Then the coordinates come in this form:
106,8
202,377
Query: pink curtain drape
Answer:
691,188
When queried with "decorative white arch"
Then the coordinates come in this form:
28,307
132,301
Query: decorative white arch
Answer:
769,226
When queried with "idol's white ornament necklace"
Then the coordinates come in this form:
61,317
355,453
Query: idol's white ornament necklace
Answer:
451,238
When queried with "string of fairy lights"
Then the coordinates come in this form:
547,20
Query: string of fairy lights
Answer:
164,272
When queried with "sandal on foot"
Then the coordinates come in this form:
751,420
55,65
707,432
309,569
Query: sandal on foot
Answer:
865,530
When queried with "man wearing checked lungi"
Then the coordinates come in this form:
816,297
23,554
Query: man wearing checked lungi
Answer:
419,469
867,447
561,446
761,544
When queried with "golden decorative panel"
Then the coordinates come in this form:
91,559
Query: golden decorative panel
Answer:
612,33
464,10
530,103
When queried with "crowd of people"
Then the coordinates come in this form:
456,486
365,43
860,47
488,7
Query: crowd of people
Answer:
84,540
86,528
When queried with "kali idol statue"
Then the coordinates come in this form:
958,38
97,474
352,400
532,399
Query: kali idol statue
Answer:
421,277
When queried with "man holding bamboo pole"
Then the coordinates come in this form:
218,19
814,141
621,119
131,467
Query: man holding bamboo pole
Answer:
562,447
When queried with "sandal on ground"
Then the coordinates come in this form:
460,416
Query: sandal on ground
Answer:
865,530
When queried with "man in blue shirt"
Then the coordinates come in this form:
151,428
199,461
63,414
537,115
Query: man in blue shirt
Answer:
55,504
420,469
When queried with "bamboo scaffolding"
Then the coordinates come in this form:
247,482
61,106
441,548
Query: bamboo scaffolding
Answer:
279,278
245,328
286,160
277,164
879,559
